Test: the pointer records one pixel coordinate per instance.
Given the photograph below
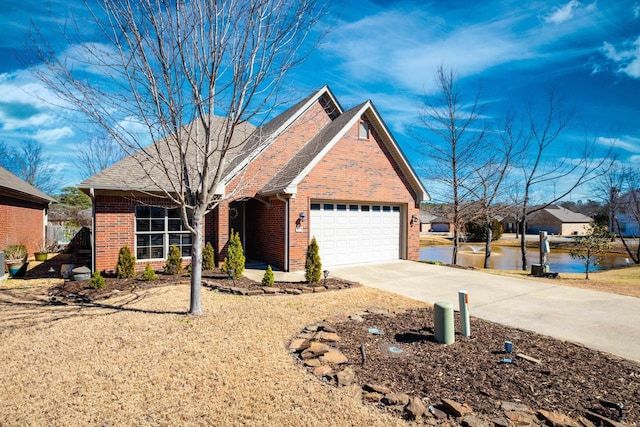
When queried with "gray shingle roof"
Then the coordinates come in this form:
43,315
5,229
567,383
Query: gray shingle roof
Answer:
141,171
20,189
565,215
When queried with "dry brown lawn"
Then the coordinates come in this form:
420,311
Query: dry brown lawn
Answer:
140,360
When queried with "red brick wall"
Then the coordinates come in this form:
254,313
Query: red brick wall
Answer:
21,223
114,227
359,171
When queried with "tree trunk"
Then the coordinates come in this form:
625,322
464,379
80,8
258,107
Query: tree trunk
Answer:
487,246
523,247
456,244
196,265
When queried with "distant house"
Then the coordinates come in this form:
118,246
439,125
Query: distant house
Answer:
628,215
557,220
323,172
23,213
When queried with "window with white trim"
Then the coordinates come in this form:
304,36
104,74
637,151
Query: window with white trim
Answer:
363,130
158,228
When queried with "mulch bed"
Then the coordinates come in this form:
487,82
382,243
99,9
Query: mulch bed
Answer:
570,379
81,292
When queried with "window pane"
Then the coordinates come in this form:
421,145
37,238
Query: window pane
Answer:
157,239
157,212
174,239
376,208
143,240
175,225
386,209
328,206
173,213
365,208
143,225
315,206
157,252
143,211
396,208
353,207
341,207
157,225
142,253
186,251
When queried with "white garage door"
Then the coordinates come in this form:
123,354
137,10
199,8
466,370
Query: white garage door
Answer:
355,233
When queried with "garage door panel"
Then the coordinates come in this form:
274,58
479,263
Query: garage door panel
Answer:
348,233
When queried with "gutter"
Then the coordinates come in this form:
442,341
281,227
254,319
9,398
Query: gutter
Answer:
92,195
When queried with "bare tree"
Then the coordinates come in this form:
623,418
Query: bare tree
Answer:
629,211
608,188
488,179
169,67
31,164
541,170
453,151
98,154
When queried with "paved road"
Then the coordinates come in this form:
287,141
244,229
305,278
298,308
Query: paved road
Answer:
599,320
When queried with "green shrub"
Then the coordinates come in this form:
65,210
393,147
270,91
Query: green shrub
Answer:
208,257
97,281
148,274
268,279
126,266
312,265
235,256
174,261
476,232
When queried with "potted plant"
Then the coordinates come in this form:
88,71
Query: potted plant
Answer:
15,257
43,253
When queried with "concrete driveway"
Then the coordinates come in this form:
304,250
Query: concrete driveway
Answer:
598,320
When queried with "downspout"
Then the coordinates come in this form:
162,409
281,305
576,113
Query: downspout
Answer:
286,230
93,229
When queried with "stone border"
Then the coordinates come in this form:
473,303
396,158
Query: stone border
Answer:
303,288
313,347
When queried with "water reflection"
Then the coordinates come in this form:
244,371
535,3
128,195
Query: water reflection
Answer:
509,258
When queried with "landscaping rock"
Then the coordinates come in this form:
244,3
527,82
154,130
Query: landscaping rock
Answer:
306,289
312,363
416,408
377,388
472,421
315,349
457,409
319,289
322,371
500,422
392,399
293,291
333,357
354,390
327,336
271,290
519,418
299,344
557,420
438,413
515,406
372,396
356,318
327,328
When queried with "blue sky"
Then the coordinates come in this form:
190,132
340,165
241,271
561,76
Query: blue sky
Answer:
388,51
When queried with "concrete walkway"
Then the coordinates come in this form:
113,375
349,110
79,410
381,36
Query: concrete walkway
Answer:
598,320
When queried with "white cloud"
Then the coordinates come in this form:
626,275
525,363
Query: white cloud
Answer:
636,11
626,56
567,12
628,143
50,136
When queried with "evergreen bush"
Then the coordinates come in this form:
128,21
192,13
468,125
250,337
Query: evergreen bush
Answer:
148,274
312,265
174,261
126,266
476,232
235,256
97,281
208,257
268,279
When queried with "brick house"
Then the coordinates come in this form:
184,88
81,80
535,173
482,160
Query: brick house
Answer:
23,213
337,175
557,220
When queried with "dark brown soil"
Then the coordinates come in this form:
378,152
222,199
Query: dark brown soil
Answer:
570,378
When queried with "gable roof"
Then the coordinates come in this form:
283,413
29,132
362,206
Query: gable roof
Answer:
251,141
565,215
15,187
287,179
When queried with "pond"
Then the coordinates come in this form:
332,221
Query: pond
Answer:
509,258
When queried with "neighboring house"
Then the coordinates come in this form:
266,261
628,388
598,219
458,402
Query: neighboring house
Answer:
557,220
23,213
425,221
336,175
628,214
441,224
